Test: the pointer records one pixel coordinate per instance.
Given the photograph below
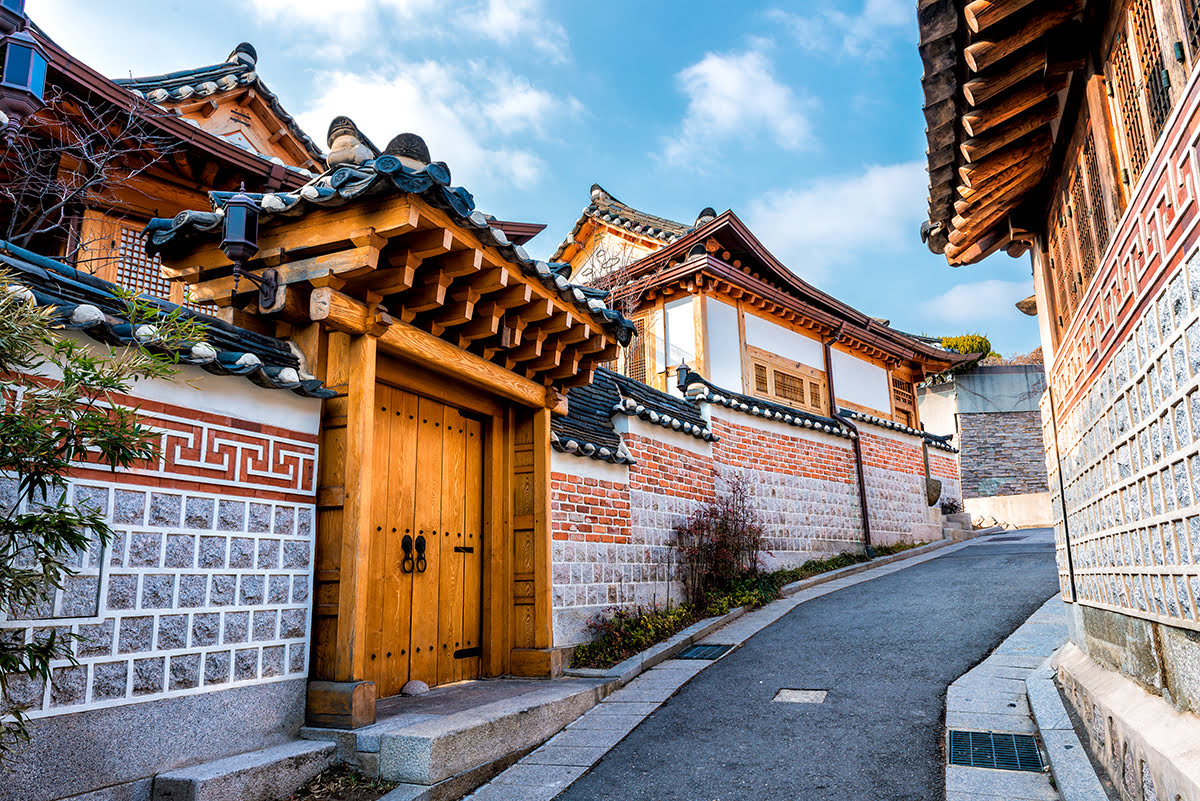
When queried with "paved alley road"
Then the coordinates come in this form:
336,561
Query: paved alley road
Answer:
885,650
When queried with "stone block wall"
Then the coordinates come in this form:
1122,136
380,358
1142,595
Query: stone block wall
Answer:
613,525
206,585
1002,453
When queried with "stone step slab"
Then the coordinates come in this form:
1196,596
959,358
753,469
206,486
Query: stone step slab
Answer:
265,775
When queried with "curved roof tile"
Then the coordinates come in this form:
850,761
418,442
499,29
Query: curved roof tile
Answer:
83,302
347,183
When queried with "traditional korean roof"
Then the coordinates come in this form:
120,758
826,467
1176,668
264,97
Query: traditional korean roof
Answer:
607,210
83,302
722,252
993,77
239,71
699,390
941,443
587,429
373,175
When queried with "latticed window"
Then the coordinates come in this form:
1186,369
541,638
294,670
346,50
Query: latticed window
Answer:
1081,214
761,380
798,386
904,400
140,273
1091,164
1190,11
635,354
1128,109
1150,62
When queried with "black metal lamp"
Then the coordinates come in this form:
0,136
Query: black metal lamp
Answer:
240,243
23,80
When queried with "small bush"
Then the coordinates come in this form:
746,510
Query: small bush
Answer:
720,544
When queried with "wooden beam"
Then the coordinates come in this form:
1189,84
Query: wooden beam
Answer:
977,174
460,262
398,278
1022,99
1012,193
549,358
983,14
1021,174
983,54
344,263
343,313
512,297
485,323
980,249
318,229
429,293
982,223
1005,134
493,279
430,242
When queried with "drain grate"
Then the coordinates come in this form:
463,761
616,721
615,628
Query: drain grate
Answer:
703,652
987,749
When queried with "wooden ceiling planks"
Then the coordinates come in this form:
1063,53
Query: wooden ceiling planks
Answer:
990,103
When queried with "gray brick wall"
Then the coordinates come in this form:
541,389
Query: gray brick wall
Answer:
1001,453
197,592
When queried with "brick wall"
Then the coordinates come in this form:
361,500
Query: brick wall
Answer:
206,585
613,525
1002,453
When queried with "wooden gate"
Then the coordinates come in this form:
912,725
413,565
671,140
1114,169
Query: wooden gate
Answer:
424,610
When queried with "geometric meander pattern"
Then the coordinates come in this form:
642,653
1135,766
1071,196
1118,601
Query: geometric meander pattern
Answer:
230,456
1130,451
198,592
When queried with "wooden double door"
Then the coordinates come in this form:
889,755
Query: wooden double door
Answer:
425,600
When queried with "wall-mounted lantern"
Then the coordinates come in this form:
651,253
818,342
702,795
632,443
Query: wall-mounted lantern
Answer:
23,75
240,242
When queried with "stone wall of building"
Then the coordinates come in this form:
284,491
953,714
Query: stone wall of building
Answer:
1123,420
1001,453
205,588
613,525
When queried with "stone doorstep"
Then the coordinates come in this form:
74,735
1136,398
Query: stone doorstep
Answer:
255,776
429,752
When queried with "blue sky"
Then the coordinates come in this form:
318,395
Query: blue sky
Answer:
804,118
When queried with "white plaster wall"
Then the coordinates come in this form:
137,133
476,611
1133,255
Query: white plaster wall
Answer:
681,331
767,335
861,382
724,347
587,467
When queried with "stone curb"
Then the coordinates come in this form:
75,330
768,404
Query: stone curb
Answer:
624,672
1074,777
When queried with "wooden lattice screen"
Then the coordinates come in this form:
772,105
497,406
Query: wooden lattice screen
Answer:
140,273
1127,110
1189,10
1155,88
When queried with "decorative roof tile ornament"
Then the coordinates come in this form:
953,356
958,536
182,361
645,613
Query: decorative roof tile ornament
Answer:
359,171
83,302
237,71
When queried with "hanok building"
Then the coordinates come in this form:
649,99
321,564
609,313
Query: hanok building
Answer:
737,366
1067,129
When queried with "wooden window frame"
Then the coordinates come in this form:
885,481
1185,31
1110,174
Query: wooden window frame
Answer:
772,363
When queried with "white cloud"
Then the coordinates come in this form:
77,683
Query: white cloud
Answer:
730,96
443,104
352,25
980,301
856,34
843,219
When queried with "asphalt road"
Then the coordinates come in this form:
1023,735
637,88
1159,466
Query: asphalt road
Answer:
885,650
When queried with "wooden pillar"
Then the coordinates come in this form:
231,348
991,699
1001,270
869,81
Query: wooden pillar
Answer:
338,696
533,653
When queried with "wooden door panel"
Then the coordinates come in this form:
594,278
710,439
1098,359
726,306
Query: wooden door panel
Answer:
427,522
450,558
472,606
400,488
376,568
